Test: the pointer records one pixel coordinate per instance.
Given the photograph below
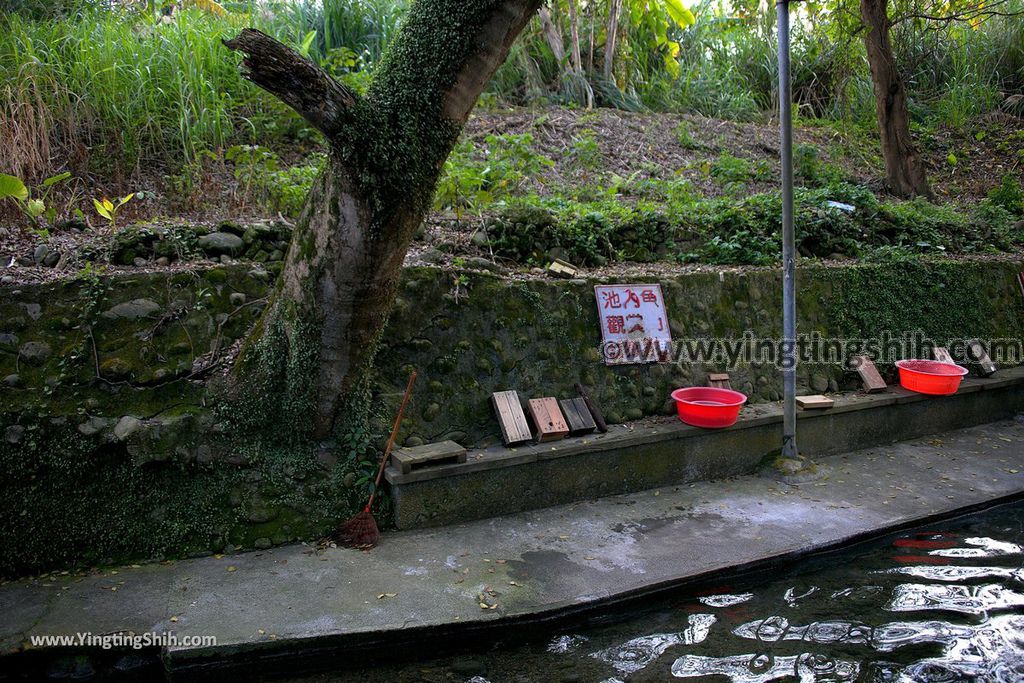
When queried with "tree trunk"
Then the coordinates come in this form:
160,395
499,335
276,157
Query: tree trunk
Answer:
611,38
903,168
316,341
574,38
553,36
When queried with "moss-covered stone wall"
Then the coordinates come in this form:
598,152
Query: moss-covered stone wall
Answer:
113,446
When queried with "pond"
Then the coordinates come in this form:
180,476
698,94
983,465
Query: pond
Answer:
940,603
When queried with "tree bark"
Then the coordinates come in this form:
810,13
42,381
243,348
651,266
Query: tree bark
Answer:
574,37
904,170
316,340
553,36
611,38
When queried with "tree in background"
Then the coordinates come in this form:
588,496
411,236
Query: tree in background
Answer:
904,170
608,25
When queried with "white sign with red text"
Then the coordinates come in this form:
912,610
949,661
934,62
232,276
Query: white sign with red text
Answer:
634,324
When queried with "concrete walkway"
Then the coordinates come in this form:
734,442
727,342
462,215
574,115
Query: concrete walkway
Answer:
525,566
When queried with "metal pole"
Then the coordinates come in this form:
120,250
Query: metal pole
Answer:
789,449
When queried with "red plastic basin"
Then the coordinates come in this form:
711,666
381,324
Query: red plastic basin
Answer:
708,406
930,376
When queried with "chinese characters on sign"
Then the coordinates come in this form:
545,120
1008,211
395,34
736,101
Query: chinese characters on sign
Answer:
634,324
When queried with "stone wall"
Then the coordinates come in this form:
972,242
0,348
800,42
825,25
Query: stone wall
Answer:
114,447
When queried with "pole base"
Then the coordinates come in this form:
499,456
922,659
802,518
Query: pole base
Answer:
789,469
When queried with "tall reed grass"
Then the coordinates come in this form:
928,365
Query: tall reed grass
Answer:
105,89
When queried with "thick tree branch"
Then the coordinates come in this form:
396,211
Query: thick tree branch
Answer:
493,42
295,80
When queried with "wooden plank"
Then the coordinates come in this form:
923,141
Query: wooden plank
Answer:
976,350
578,416
815,402
942,355
719,380
595,412
869,375
511,419
442,452
560,268
547,419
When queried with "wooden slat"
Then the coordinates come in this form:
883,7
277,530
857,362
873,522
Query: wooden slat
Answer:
511,419
719,380
815,402
595,412
869,375
408,459
578,416
547,419
942,355
560,268
976,350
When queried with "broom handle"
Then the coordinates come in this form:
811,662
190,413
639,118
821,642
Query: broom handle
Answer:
391,440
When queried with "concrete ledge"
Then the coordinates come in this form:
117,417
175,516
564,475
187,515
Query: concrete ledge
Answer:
293,609
633,457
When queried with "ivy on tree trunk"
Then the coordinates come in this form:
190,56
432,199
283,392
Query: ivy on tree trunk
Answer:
314,345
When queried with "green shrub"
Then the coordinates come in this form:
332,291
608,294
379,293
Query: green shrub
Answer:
838,218
289,187
523,233
1010,195
731,169
809,167
1000,227
683,136
585,152
533,230
475,176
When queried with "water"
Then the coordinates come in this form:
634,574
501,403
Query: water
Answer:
941,603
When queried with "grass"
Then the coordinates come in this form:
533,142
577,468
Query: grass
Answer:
110,91
108,94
